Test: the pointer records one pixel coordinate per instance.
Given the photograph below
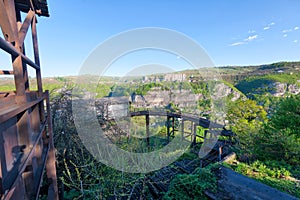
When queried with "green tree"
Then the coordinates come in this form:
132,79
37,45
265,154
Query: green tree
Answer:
280,138
245,118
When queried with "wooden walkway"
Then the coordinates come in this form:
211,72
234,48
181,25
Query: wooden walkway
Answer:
195,121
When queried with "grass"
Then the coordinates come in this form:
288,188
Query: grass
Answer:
191,186
278,177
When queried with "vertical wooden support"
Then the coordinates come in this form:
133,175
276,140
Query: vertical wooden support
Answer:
36,55
173,125
22,49
16,60
50,164
220,153
168,128
37,61
5,24
147,130
195,135
182,128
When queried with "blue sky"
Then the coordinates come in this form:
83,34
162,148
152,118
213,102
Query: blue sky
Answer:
233,32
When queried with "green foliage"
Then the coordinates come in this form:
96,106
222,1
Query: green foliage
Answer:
72,194
119,90
200,88
280,138
143,89
102,90
287,115
277,176
191,186
259,84
245,117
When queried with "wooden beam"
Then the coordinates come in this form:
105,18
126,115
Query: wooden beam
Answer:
9,48
11,13
6,72
50,165
5,24
36,55
25,26
17,63
147,130
6,114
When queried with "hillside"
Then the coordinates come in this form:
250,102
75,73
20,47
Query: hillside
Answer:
258,112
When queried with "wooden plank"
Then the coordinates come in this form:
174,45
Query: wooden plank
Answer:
10,154
38,180
12,111
24,163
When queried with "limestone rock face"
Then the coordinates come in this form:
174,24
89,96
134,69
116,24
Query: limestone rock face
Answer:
293,89
161,98
222,90
278,89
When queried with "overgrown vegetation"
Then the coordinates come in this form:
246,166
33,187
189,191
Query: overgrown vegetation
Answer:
274,174
191,186
267,128
270,147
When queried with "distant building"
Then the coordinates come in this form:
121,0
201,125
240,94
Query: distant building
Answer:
175,77
112,107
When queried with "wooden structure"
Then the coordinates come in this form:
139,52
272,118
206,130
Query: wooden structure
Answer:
195,121
26,142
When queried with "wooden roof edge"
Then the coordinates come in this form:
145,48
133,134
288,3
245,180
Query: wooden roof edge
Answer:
40,6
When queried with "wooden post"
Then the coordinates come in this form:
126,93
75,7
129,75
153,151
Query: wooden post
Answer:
168,128
50,164
220,152
16,60
147,130
38,71
173,125
195,135
192,131
182,128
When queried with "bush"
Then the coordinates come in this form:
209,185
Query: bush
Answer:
191,186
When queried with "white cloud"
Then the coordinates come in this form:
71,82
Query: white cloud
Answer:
272,24
296,28
295,41
250,38
267,27
285,35
287,30
237,43
252,31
